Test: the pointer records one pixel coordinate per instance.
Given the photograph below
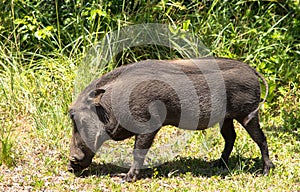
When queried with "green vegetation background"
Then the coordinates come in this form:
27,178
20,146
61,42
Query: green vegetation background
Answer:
43,42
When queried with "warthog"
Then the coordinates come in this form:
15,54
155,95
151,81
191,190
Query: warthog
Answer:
193,94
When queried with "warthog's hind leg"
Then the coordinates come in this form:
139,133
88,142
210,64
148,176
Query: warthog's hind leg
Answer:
254,130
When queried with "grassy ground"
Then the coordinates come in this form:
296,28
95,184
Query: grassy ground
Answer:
41,165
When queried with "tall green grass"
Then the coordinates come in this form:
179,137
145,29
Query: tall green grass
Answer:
35,96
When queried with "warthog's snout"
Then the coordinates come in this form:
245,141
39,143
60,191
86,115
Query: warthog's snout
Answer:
74,165
79,159
77,165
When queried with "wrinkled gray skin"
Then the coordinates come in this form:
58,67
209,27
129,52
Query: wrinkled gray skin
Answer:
94,119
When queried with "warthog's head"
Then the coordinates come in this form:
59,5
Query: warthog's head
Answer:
88,118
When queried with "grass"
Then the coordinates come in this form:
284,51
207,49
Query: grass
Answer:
37,83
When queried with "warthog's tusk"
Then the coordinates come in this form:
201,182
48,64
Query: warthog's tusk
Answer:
73,160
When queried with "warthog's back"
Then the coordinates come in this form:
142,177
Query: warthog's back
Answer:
191,94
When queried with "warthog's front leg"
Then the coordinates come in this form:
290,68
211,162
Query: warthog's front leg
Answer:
141,146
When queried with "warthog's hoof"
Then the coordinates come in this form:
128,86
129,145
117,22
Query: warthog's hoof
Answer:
130,177
220,164
269,165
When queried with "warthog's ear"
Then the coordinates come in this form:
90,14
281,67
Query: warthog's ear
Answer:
96,95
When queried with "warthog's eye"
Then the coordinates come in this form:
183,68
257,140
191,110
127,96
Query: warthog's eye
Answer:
72,113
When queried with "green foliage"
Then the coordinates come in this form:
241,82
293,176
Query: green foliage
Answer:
266,34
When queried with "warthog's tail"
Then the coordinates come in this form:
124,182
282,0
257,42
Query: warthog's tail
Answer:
253,113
